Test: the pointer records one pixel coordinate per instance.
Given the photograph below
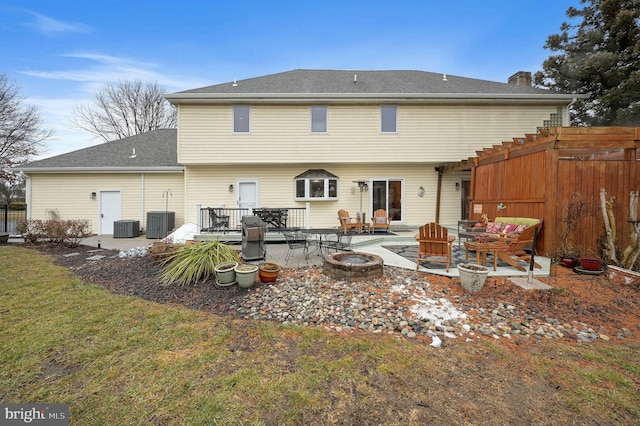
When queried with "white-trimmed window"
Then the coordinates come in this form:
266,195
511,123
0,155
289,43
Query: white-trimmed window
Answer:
316,184
388,118
241,118
318,119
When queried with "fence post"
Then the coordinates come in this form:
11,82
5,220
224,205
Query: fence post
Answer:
6,218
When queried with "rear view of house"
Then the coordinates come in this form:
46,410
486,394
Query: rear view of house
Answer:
322,140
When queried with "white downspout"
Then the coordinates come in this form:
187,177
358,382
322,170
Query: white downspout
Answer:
567,113
27,195
142,203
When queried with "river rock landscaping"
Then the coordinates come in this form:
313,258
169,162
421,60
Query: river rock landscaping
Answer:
412,305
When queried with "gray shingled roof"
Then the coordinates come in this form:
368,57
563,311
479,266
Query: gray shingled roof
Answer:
367,82
153,150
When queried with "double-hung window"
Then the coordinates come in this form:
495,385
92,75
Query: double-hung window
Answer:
388,118
241,119
318,119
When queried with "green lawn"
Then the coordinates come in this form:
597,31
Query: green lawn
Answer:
121,360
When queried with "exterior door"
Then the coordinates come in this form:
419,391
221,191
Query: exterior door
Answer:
247,195
110,210
387,195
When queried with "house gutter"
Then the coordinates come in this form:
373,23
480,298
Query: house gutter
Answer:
170,169
213,98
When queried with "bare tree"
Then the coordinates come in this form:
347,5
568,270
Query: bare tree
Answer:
125,109
21,132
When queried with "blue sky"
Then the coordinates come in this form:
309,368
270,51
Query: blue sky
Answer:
59,53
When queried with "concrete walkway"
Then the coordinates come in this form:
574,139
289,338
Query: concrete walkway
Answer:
277,251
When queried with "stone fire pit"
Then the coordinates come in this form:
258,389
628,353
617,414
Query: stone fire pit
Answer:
353,266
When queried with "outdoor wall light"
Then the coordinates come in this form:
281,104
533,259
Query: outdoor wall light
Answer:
457,186
92,195
230,188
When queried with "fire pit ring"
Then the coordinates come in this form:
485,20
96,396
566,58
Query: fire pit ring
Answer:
353,266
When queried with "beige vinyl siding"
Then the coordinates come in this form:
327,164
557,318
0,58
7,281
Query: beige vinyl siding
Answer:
208,186
69,195
280,134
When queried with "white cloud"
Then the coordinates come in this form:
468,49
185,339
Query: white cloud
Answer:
49,26
105,69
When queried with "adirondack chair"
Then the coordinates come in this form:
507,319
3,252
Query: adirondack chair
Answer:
347,222
515,253
380,220
435,244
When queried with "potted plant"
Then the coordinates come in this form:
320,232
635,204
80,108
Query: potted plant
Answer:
472,276
226,273
591,263
268,272
576,208
246,275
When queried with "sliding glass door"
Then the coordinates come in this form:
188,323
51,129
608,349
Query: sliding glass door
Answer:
387,195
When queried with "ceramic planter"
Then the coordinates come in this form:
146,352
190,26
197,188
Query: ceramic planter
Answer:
591,263
568,262
472,277
246,275
268,272
225,273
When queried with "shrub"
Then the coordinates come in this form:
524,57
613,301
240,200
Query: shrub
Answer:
194,263
54,230
160,250
31,229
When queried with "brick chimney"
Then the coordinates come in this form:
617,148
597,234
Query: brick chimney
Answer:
521,78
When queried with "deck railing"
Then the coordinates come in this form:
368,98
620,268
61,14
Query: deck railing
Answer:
222,219
10,218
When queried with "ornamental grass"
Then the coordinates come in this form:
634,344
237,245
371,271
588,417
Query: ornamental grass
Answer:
195,263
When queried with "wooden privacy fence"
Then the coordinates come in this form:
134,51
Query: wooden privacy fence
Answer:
537,175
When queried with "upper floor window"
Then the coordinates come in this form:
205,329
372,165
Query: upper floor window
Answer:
318,119
388,118
241,119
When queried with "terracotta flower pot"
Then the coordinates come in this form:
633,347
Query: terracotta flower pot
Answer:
591,263
268,272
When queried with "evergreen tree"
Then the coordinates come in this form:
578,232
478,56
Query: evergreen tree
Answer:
599,56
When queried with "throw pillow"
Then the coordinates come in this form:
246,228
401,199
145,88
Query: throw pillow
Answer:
519,229
494,227
509,228
380,220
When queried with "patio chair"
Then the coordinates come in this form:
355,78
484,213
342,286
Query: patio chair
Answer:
217,222
435,244
515,253
337,242
347,222
296,241
380,220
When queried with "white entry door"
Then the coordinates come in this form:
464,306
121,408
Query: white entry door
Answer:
247,195
110,210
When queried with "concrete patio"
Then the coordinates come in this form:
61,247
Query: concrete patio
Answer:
276,251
